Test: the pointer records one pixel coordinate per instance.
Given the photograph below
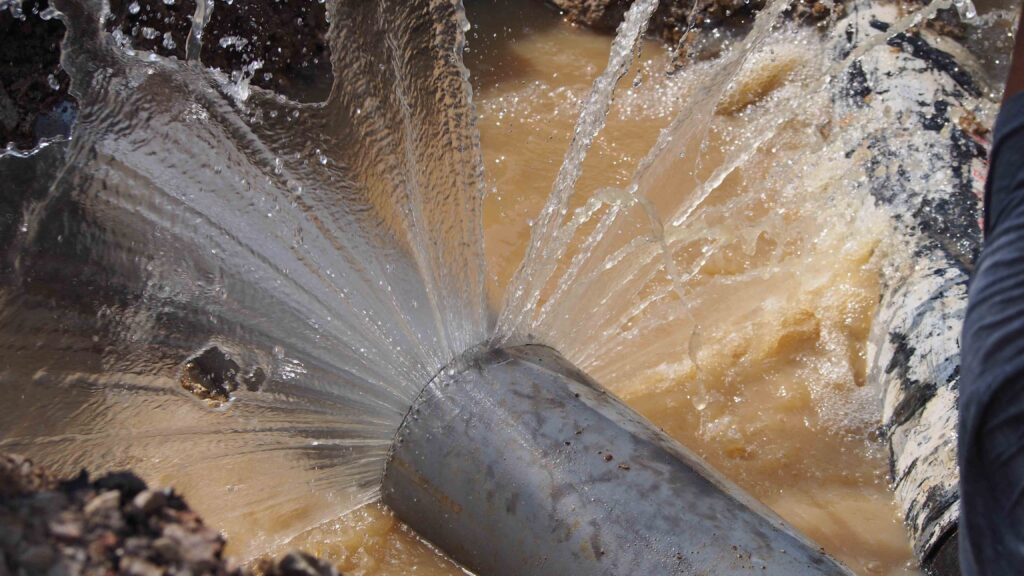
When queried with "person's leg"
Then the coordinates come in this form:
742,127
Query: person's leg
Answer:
991,434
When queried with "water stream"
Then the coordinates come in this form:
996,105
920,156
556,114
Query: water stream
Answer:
332,248
706,255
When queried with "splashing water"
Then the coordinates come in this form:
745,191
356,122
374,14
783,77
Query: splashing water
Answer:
334,248
544,248
316,264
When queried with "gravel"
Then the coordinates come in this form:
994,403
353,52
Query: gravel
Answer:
114,524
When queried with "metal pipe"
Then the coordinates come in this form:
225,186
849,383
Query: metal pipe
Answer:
914,98
513,461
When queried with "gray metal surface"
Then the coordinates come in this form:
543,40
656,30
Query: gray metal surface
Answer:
515,462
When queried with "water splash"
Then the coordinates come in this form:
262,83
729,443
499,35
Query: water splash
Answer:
544,249
561,318
182,218
336,248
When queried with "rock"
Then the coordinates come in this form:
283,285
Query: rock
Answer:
67,527
287,39
104,512
159,27
600,15
115,525
149,501
19,476
34,99
102,545
139,567
37,558
102,504
127,483
167,549
297,563
281,45
198,549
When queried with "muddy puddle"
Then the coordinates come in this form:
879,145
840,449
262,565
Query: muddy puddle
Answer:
770,387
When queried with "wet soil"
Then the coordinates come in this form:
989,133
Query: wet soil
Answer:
114,524
34,100
280,46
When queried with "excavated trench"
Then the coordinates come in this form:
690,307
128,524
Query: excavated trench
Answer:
788,349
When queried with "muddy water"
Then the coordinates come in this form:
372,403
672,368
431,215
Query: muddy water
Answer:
774,394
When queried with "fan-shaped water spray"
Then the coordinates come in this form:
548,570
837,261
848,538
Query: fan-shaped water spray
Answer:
334,247
304,269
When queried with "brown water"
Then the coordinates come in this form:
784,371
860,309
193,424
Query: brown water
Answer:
771,387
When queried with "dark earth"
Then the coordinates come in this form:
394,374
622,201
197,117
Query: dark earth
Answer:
114,524
281,45
33,87
213,375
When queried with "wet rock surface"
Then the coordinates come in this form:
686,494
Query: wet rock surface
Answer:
213,376
113,525
34,99
280,45
295,564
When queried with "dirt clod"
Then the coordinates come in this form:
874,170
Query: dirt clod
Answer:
113,525
296,564
211,375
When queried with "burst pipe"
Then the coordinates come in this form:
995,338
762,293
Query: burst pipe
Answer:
482,467
515,462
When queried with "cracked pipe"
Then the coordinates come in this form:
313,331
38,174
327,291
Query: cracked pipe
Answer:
515,462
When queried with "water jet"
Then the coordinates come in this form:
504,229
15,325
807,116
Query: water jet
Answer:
242,288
